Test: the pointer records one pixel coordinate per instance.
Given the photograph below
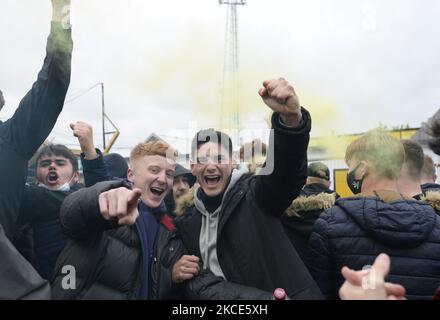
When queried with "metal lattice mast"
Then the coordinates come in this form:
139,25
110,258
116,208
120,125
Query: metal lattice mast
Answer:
230,109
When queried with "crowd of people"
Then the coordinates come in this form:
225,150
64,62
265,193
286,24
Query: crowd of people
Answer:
221,229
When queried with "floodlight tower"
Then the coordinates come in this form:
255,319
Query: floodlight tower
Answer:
230,111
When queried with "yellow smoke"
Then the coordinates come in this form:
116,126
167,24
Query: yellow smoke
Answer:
326,120
192,70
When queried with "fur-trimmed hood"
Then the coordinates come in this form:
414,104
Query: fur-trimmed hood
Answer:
304,204
433,199
185,202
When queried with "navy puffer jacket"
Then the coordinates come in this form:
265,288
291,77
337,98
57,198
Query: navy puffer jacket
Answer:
357,229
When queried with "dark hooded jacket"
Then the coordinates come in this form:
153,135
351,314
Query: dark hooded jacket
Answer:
31,123
252,248
357,229
299,218
20,137
108,258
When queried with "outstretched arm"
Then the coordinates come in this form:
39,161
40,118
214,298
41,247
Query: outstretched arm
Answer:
34,119
92,160
39,109
286,165
370,284
106,205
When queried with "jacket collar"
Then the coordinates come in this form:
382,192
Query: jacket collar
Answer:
303,205
390,219
385,195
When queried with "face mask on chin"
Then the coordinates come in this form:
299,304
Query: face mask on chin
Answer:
354,184
64,188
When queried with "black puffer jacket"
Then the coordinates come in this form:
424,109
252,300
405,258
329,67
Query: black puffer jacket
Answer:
252,248
357,229
299,218
107,258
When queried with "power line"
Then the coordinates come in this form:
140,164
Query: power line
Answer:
79,94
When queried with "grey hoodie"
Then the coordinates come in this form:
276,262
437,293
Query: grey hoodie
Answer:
208,232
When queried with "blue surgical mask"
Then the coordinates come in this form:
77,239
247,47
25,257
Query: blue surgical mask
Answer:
354,184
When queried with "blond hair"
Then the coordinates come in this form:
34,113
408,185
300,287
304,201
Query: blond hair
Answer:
385,153
153,148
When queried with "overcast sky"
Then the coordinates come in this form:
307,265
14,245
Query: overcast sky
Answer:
353,63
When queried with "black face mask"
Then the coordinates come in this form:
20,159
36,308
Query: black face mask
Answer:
354,184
